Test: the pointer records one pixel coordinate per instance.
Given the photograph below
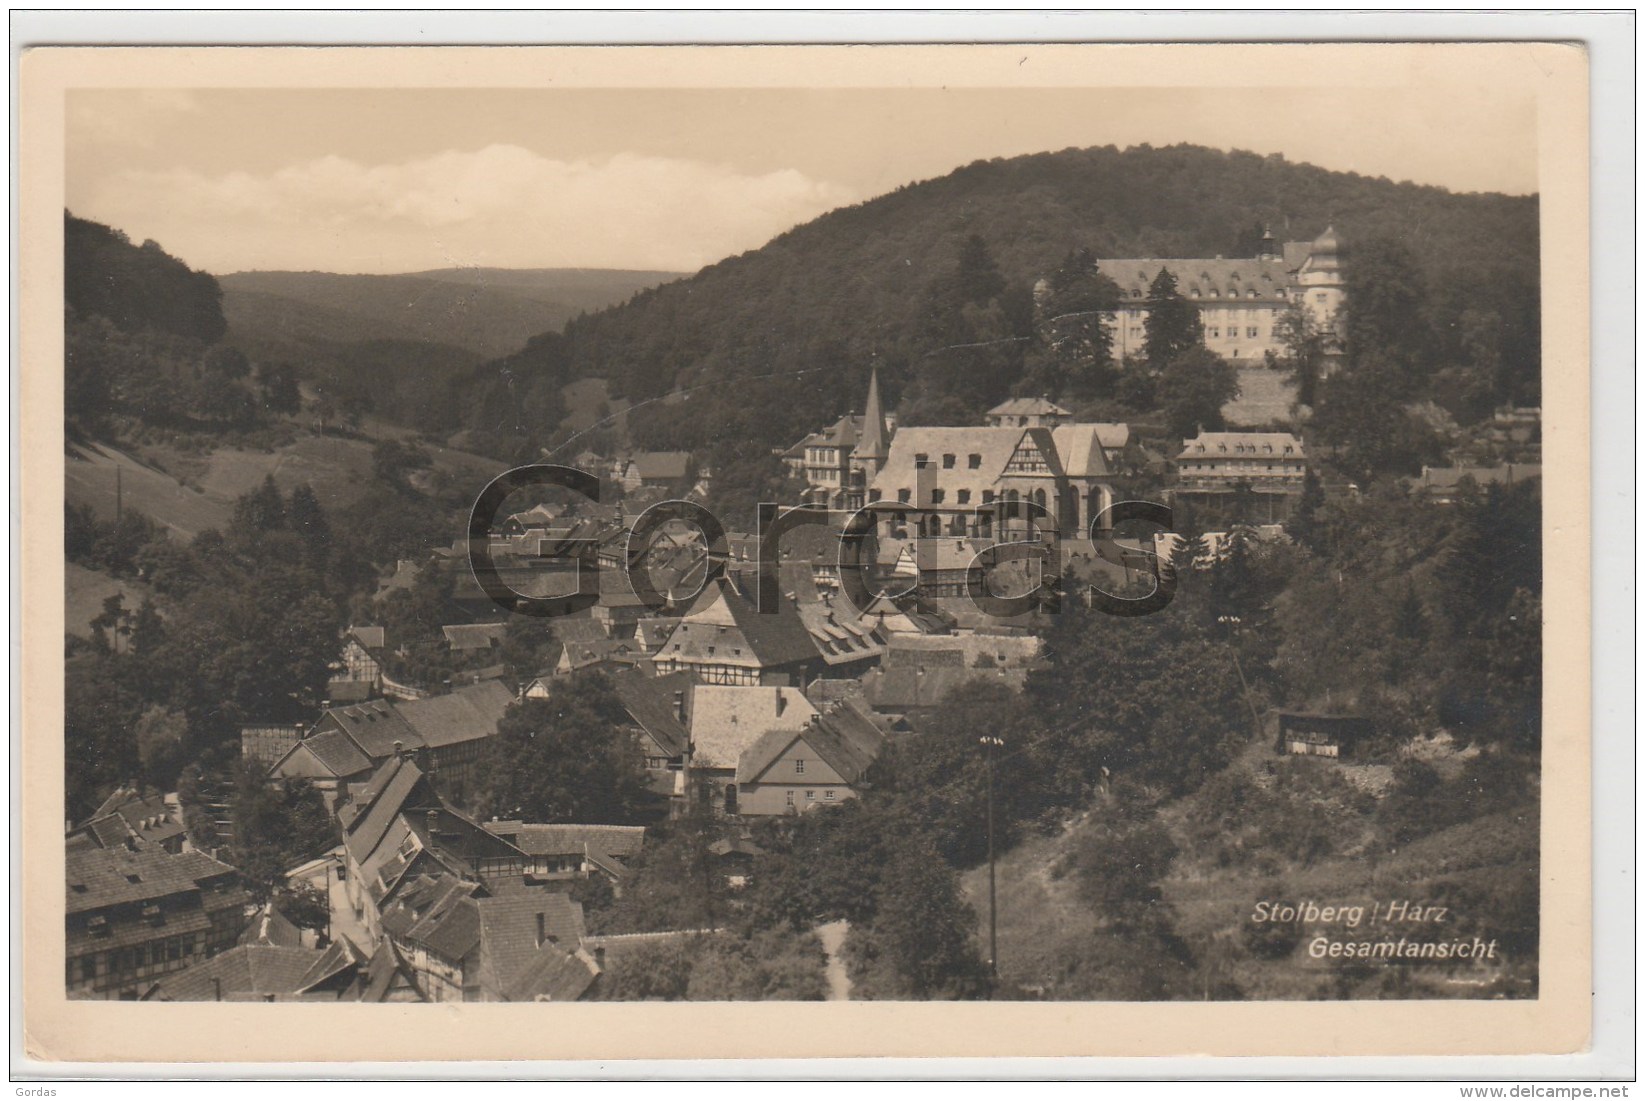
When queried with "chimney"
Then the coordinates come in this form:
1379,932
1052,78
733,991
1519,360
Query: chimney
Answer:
599,956
217,988
433,821
542,930
782,703
679,705
399,749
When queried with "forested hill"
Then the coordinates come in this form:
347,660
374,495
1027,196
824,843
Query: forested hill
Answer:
487,311
858,285
136,287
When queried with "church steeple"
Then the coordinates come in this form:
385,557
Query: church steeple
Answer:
874,441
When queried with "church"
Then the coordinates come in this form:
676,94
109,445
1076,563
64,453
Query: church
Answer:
1239,300
937,481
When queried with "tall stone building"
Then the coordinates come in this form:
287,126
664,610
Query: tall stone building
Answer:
1239,300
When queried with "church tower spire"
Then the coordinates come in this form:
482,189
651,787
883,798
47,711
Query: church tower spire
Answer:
873,442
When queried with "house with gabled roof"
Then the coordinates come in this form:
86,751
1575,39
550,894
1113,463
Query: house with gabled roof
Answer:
398,828
129,815
136,913
463,944
725,639
824,762
725,720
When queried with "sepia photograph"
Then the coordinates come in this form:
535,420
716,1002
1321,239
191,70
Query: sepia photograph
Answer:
609,542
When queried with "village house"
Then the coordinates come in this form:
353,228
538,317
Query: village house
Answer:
362,657
1027,413
130,816
725,639
825,761
347,743
726,720
136,912
266,743
656,469
1310,734
658,706
340,972
567,851
837,463
397,828
462,944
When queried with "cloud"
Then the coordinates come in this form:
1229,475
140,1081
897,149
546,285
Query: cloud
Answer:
498,206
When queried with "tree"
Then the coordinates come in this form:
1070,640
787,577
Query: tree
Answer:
1385,305
276,826
1173,323
261,511
1192,389
1076,336
1302,350
307,519
1304,524
571,758
923,929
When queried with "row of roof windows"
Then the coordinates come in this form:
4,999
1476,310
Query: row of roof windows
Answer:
973,461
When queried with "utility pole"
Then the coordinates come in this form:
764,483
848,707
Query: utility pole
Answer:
990,742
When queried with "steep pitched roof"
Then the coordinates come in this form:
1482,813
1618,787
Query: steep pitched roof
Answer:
248,972
371,638
570,840
992,446
468,713
331,753
1203,282
128,812
374,727
1081,450
508,932
1028,407
1233,445
874,443
650,702
339,957
727,719
473,636
109,877
553,976
722,613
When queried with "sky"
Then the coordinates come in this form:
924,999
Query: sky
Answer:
410,180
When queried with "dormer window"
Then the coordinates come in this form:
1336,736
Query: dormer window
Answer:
974,461
948,462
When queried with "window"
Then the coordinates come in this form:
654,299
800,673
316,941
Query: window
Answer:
963,496
921,458
1319,298
811,795
88,968
873,495
948,462
937,496
790,794
974,461
1251,330
799,766
1215,332
987,496
828,795
903,496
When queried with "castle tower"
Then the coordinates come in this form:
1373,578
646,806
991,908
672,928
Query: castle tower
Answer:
1269,248
1319,280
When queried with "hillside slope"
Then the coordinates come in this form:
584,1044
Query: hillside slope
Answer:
809,312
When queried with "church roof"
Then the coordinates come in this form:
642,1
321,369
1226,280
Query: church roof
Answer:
873,443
